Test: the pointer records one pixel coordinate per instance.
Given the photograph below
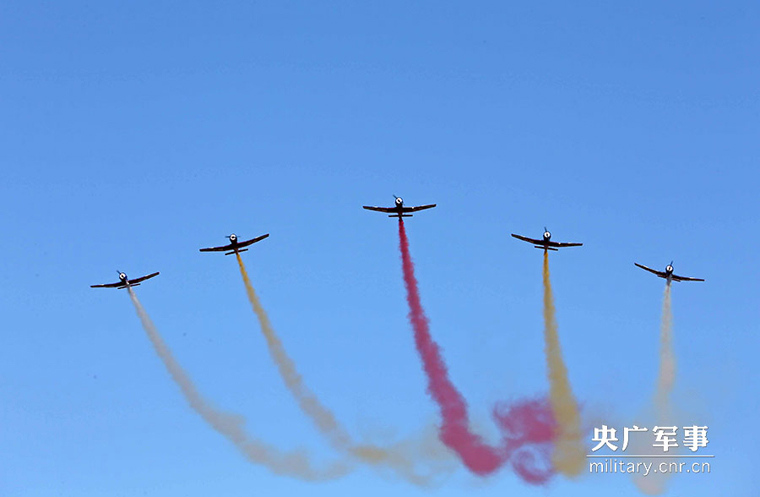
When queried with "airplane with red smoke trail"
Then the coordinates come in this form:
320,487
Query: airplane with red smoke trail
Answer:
668,273
398,210
546,242
125,282
235,246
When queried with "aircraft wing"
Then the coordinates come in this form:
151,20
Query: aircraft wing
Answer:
380,209
143,278
661,274
217,249
108,285
685,278
418,208
563,244
252,241
529,240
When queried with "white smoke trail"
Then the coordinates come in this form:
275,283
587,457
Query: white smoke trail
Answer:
667,376
231,426
663,409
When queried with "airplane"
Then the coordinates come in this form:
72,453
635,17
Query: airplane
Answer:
546,243
668,273
234,246
125,282
399,210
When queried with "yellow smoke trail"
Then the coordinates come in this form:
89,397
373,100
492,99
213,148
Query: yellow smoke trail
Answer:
569,455
398,457
231,426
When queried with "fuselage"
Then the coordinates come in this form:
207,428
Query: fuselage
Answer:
124,280
399,206
235,247
544,242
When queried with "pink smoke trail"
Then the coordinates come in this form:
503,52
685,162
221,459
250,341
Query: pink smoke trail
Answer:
527,424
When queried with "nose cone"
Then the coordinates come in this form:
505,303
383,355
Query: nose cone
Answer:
233,237
669,268
399,201
547,235
122,276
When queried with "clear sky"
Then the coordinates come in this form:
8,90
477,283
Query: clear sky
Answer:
133,133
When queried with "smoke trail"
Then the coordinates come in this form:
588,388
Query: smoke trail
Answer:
397,457
523,425
569,456
231,426
662,414
667,376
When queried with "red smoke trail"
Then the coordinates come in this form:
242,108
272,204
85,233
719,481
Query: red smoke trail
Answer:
526,425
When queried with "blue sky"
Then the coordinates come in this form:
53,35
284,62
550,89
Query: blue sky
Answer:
133,134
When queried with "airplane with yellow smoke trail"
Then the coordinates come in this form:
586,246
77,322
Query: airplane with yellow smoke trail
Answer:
125,282
668,273
235,246
546,242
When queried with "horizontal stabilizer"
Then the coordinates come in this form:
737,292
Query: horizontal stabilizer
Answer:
239,251
544,248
